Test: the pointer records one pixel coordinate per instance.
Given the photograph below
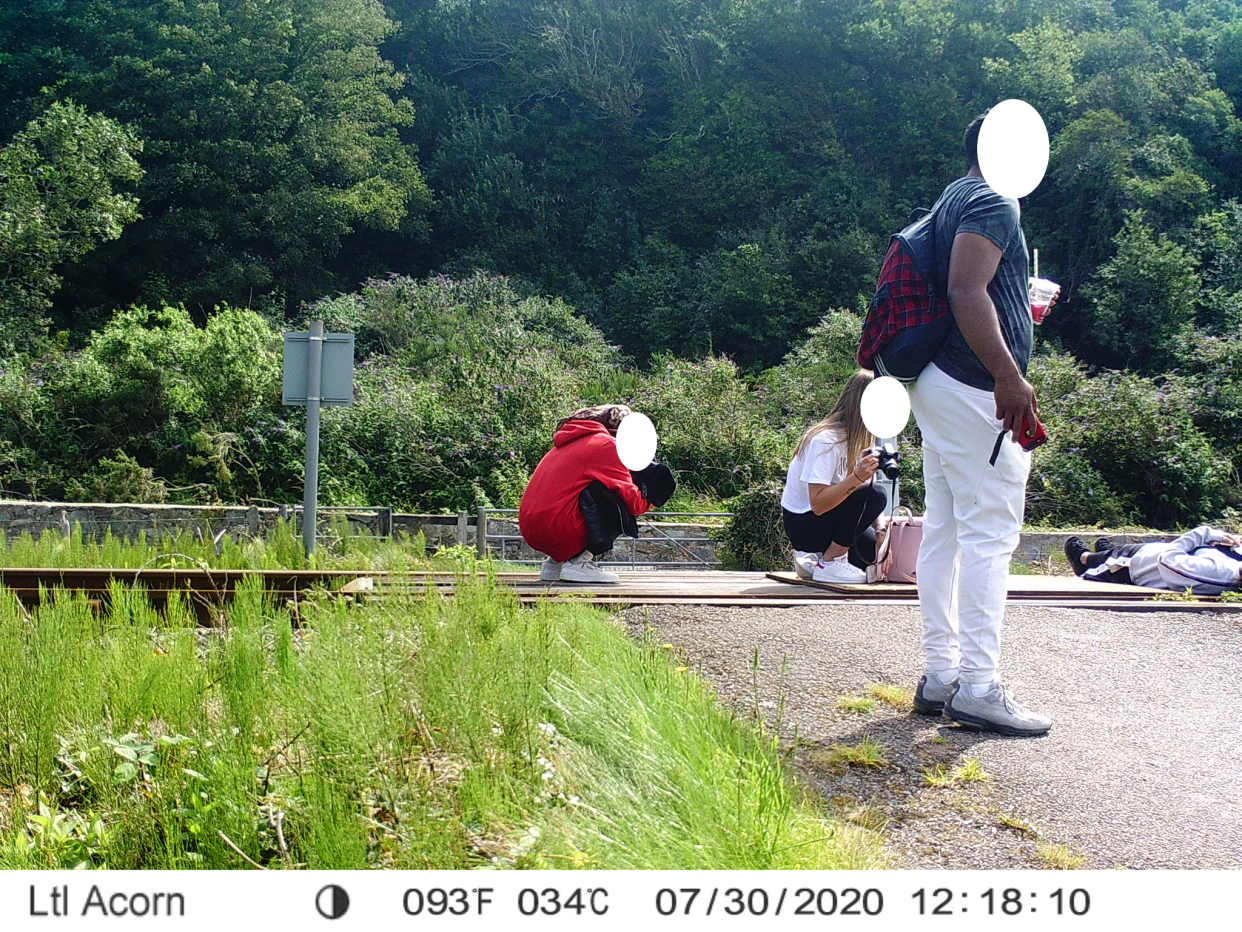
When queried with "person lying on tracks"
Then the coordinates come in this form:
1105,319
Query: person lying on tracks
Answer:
829,505
1207,560
581,497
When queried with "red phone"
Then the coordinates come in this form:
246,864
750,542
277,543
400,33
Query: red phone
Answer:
1032,437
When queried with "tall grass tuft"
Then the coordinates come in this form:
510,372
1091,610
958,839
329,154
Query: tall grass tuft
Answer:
421,732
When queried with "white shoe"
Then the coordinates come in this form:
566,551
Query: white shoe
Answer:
551,570
838,571
804,563
583,568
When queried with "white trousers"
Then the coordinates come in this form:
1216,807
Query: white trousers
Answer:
970,530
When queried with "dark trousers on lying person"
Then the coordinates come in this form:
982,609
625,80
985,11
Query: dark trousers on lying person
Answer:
849,525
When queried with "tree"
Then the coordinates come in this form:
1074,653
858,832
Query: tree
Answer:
59,199
1144,299
271,132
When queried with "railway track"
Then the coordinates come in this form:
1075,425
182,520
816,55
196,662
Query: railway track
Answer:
210,591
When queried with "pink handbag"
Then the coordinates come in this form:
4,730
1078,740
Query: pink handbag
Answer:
897,550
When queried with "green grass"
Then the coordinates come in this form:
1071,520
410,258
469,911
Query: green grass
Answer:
858,704
969,770
1016,824
866,753
1058,857
279,549
900,698
425,733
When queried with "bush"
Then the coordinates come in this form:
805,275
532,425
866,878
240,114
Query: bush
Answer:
1128,440
461,386
754,537
164,407
713,431
807,383
1065,489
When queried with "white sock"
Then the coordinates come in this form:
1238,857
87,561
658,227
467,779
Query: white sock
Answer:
979,690
946,676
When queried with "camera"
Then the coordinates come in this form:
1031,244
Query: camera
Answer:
890,460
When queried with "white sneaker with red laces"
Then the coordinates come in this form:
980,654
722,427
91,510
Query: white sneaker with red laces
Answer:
838,571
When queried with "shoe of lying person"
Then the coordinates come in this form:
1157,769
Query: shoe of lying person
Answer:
838,571
931,695
550,571
584,569
1102,544
804,563
997,710
1074,549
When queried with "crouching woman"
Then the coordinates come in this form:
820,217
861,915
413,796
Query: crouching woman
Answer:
830,504
581,471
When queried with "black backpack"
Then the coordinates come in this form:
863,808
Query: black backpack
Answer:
909,315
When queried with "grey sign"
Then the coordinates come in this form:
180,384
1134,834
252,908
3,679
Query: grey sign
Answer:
337,388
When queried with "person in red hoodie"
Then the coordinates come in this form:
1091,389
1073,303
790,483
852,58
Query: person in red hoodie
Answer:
584,450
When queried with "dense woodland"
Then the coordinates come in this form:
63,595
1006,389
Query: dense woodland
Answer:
519,205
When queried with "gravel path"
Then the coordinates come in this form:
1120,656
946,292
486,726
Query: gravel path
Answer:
1142,768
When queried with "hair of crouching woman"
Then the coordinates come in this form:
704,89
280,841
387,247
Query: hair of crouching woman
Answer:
846,416
608,415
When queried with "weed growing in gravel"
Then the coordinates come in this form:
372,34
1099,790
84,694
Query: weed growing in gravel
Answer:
900,698
867,753
869,817
854,704
968,771
1016,824
1186,595
1058,857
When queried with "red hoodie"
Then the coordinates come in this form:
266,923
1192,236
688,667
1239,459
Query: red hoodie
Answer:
548,516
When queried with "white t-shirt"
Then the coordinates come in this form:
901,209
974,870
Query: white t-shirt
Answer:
823,462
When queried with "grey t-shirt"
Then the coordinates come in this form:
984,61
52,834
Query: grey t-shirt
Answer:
968,205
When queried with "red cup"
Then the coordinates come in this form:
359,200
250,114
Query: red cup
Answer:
1042,292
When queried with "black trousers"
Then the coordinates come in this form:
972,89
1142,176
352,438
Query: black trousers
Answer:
849,525
1122,576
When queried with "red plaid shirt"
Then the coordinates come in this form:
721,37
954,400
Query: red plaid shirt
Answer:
906,303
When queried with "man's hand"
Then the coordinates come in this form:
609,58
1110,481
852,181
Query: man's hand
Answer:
1015,405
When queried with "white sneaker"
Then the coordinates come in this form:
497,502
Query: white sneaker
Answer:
550,571
838,571
804,563
583,568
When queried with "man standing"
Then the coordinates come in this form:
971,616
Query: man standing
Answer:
964,401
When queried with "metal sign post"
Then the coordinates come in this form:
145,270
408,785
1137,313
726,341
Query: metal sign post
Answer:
319,370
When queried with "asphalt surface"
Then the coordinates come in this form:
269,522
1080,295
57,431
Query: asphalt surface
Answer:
1142,768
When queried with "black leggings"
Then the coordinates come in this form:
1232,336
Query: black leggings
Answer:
849,525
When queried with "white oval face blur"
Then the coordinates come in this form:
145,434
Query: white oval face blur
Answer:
885,407
1013,148
636,441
